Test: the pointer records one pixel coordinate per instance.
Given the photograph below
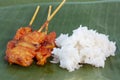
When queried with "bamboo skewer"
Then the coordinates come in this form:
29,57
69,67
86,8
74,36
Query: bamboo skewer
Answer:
49,12
57,9
34,15
52,15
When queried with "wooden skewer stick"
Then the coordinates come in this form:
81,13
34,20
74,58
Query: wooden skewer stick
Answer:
34,16
49,12
52,15
57,9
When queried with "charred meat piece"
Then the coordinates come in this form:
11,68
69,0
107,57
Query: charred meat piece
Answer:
21,32
21,53
34,37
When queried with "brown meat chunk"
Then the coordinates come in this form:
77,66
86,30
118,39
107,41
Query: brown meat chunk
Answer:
47,46
34,37
21,32
20,55
42,55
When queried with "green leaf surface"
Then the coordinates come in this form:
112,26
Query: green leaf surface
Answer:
101,15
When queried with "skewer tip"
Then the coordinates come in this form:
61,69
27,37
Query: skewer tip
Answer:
34,15
50,6
64,0
38,6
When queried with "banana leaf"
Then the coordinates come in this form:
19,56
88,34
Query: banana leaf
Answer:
100,15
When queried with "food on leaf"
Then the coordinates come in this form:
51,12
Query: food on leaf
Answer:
84,46
29,44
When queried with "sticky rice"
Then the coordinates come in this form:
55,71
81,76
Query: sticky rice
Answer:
83,46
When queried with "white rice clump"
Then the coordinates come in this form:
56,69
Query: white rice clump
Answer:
83,46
